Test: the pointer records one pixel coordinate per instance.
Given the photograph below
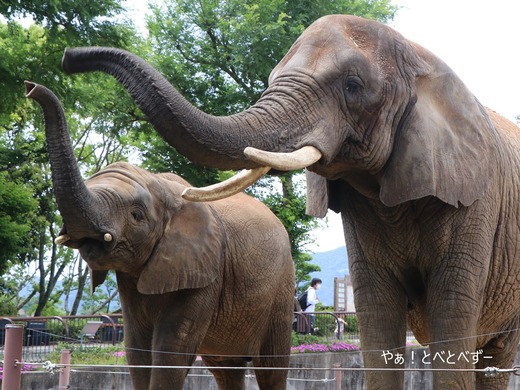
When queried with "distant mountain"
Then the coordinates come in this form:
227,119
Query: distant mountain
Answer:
333,263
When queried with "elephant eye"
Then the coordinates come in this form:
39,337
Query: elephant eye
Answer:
353,85
137,215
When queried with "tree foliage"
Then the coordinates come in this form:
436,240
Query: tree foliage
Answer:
88,22
289,207
16,209
220,53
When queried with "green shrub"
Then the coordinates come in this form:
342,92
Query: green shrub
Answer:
324,325
298,339
7,306
352,324
90,355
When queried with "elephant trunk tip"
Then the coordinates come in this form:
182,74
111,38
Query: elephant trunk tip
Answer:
85,59
29,87
65,63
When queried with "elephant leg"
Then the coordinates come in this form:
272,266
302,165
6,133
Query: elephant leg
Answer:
177,338
381,312
452,312
274,353
499,352
171,378
141,352
227,379
138,353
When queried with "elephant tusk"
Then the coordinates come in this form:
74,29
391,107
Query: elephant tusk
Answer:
60,240
298,159
228,187
107,237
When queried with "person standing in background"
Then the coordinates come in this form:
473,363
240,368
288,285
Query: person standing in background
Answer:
312,300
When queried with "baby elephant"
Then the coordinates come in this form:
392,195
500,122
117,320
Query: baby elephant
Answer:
214,279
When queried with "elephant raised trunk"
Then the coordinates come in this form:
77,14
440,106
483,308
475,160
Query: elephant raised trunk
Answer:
197,135
79,211
220,142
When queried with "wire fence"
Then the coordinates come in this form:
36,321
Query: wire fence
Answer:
43,334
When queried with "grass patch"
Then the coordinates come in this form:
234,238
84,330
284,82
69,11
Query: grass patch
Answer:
91,355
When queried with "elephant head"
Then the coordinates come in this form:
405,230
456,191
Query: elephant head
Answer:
373,108
129,220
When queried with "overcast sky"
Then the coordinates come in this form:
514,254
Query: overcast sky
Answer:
478,39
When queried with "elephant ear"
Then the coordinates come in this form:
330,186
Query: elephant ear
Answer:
444,146
190,253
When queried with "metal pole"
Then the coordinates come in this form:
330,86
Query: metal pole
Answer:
12,355
65,371
338,376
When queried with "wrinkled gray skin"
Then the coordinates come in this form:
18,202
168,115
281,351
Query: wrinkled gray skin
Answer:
211,278
426,180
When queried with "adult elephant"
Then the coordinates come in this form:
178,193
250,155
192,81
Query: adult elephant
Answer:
214,278
426,179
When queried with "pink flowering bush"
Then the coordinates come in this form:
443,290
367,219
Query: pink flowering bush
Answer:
30,367
342,346
338,346
25,368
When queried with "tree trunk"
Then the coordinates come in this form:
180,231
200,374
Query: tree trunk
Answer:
82,279
105,303
42,271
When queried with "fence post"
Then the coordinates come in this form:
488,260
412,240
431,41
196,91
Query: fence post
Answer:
12,379
65,371
338,376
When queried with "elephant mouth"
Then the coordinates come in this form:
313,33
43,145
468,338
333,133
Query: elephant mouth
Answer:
91,249
65,239
299,159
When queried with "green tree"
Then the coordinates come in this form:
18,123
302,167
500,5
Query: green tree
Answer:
81,21
104,299
16,203
12,284
98,121
289,207
219,54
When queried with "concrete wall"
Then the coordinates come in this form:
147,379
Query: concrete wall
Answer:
202,379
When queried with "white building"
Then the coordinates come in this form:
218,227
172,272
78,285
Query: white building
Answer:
343,294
